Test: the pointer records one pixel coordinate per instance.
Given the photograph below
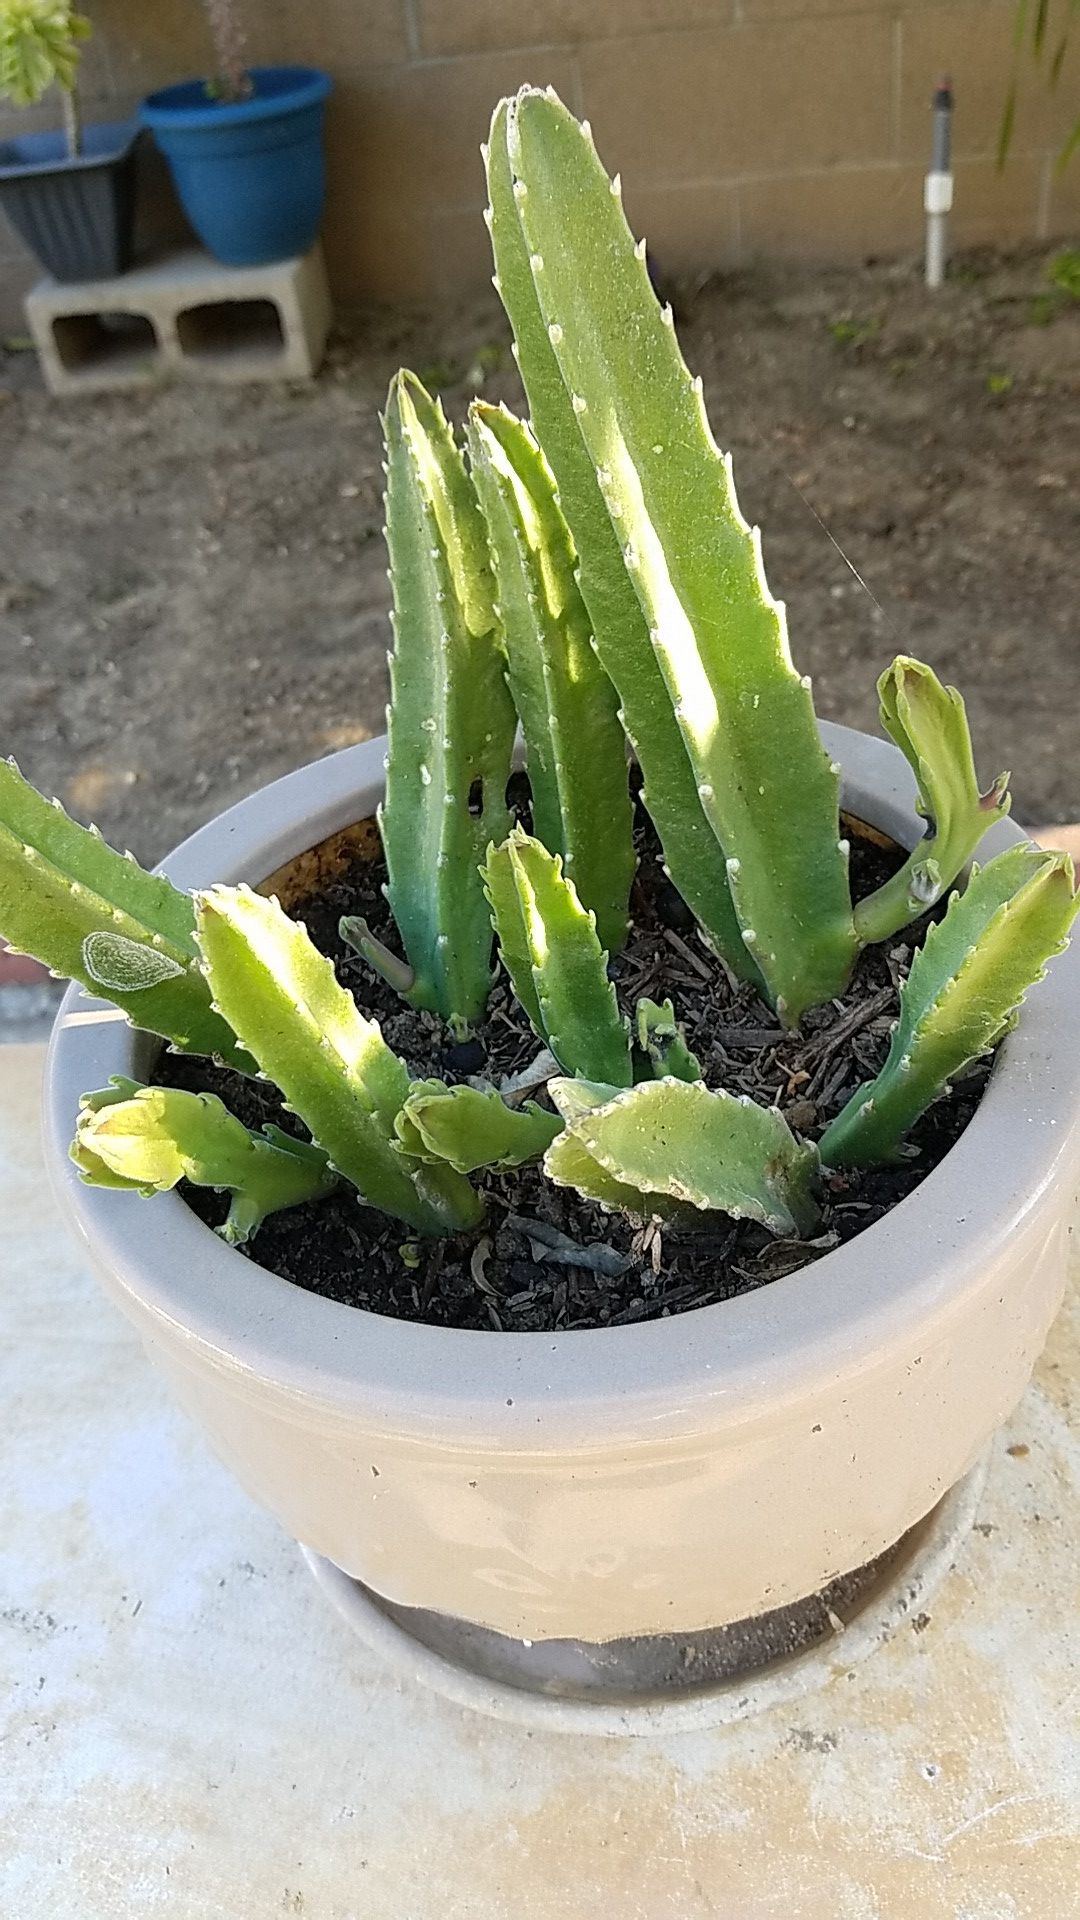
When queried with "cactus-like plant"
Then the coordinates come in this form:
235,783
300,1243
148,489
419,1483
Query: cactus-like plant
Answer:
450,720
693,857
40,47
93,915
661,1040
151,1138
929,725
472,1127
230,79
965,988
745,718
575,745
629,594
697,1147
553,955
333,1066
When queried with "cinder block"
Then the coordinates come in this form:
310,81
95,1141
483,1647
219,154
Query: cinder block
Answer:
186,316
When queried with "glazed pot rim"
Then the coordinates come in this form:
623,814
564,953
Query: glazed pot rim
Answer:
835,1318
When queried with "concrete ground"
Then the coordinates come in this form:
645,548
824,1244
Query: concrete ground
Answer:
188,1728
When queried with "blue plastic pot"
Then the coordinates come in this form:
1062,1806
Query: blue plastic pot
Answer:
250,174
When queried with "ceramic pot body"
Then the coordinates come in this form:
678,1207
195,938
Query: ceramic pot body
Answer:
654,1478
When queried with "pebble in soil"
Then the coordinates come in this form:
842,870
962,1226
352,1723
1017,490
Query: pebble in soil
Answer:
505,1277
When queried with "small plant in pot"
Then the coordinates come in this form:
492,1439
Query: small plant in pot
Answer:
69,194
245,149
703,1202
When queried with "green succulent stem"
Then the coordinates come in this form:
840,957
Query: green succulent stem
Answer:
661,1041
966,984
450,721
150,1138
693,858
93,915
332,1064
929,724
744,715
576,751
397,973
695,1147
556,964
472,1127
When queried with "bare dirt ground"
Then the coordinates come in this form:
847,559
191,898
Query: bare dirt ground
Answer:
192,581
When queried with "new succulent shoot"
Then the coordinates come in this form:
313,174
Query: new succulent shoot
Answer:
151,1138
588,575
40,45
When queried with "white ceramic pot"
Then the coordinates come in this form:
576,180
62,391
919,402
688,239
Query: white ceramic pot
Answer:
663,1477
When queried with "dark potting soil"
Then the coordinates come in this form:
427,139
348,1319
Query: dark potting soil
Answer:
546,1259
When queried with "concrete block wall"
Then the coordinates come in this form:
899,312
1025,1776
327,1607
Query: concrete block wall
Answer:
791,128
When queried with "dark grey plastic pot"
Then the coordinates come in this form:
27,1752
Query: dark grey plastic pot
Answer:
75,214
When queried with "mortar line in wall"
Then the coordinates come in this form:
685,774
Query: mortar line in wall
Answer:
110,88
890,164
704,181
1043,198
419,61
475,207
737,23
897,82
412,25
697,182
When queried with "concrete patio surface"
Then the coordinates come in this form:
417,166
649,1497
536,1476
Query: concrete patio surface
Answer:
187,1728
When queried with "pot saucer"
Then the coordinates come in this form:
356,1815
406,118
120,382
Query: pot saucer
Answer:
663,1684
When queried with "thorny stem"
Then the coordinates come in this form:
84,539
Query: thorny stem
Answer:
231,80
72,121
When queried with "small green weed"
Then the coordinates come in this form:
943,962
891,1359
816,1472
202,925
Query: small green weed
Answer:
849,331
489,359
1063,274
442,374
